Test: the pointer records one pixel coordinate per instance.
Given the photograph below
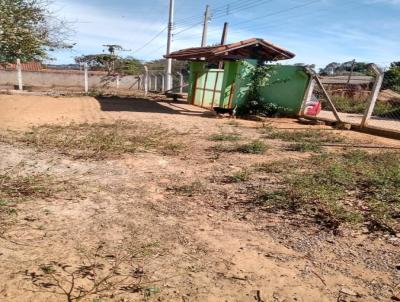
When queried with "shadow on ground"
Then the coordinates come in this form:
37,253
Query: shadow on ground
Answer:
130,104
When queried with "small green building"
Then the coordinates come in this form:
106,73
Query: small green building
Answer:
220,75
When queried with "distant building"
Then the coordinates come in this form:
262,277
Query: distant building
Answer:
30,66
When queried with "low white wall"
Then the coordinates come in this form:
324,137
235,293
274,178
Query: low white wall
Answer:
50,79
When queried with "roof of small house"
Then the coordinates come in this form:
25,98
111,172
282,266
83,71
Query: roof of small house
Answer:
30,66
253,48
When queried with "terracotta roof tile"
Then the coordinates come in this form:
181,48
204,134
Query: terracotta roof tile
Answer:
241,49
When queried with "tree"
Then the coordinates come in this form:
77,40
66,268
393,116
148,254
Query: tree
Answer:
392,77
335,68
28,30
129,66
112,63
160,65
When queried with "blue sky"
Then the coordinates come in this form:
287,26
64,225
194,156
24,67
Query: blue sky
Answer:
318,31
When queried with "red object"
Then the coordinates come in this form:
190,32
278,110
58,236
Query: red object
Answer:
314,109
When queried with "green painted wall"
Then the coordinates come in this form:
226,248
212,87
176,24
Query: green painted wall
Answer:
286,86
242,82
231,69
195,68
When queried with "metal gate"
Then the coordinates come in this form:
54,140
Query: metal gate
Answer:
208,88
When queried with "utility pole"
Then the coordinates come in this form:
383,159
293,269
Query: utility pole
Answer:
205,27
168,82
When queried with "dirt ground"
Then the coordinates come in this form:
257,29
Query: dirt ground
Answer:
193,235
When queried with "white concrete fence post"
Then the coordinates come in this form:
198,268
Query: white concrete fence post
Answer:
180,82
146,80
86,72
374,94
155,82
162,82
19,75
117,81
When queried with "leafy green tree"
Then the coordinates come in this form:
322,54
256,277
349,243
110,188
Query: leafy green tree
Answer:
129,66
112,63
344,68
28,30
177,66
392,77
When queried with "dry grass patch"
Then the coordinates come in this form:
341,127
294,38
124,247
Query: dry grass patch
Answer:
188,189
239,176
101,140
102,273
18,186
304,140
253,147
221,137
355,188
300,136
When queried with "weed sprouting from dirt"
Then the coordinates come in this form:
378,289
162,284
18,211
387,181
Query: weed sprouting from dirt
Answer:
355,187
254,147
239,176
220,137
101,140
190,189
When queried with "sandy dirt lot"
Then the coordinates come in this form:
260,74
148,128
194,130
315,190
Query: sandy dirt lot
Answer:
153,226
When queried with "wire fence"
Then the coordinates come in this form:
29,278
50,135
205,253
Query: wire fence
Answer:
27,78
156,81
354,99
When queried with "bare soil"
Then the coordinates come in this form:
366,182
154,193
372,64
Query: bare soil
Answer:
156,227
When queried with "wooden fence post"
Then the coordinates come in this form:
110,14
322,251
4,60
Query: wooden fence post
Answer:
374,94
19,75
117,80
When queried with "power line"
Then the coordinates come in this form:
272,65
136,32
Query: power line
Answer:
151,40
264,16
281,11
280,24
219,12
